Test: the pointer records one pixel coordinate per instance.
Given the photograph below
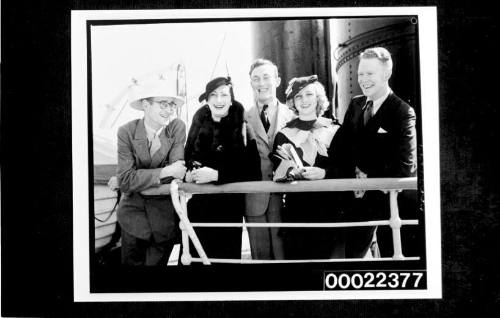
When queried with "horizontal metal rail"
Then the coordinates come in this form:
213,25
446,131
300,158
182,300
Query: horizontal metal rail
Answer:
367,184
328,260
180,191
337,224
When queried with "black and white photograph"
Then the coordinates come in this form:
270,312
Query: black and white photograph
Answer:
222,159
255,154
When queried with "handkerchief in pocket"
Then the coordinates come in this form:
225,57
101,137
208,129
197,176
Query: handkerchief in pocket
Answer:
382,131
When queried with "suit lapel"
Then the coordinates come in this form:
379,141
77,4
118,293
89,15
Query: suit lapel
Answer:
373,123
141,145
161,154
358,117
283,115
254,119
376,121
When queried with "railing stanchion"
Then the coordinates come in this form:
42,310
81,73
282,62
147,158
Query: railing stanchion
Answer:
395,223
186,255
174,193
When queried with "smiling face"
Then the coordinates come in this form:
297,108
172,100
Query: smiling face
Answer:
373,77
157,111
219,102
306,102
264,81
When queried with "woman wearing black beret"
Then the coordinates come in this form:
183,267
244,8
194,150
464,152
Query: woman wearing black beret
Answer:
220,148
308,138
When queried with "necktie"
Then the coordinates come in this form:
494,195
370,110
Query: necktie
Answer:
264,119
155,144
368,113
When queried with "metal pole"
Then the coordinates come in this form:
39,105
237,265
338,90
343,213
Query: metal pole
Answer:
186,258
395,223
174,193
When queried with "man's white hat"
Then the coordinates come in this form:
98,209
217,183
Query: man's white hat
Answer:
160,87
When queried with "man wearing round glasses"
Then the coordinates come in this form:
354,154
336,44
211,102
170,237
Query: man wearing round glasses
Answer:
150,151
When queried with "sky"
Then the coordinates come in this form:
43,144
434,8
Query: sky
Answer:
141,51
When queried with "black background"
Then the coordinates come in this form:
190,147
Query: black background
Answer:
37,275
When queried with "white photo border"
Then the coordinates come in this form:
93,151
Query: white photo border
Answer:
427,17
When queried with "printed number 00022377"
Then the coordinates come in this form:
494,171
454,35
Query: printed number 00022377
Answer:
373,280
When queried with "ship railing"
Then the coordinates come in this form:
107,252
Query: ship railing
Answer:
180,192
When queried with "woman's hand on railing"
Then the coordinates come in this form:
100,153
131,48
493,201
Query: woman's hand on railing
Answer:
204,175
313,173
189,176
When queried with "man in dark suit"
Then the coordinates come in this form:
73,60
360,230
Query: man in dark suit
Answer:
150,150
267,116
377,140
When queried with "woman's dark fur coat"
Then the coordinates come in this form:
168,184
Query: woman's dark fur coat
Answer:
220,145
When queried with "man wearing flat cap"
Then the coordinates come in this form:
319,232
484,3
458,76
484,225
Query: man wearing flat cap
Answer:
150,152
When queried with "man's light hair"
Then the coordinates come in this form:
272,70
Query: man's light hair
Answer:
260,62
379,53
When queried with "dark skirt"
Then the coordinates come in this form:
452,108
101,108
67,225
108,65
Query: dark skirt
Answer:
218,242
312,243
